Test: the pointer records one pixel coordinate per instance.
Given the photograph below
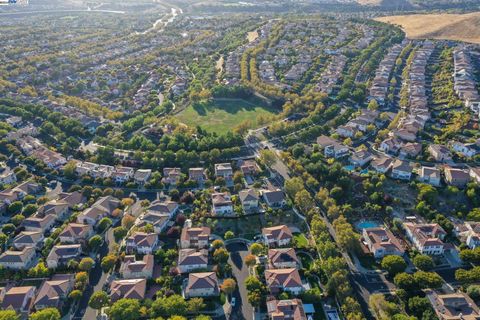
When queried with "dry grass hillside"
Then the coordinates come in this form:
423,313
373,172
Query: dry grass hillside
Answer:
462,27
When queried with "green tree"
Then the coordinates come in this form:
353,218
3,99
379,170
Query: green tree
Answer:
15,207
86,264
166,306
423,262
428,280
125,309
29,209
256,248
418,306
393,264
119,233
229,235
69,170
46,314
95,242
75,295
293,186
17,219
405,281
108,262
9,315
268,157
228,286
221,255
98,300
104,224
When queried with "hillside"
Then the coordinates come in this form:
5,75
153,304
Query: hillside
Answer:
462,27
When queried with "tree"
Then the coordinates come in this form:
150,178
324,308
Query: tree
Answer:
221,255
69,170
229,235
250,260
304,201
86,264
108,262
125,309
293,186
95,242
382,309
39,271
98,300
373,105
256,248
17,219
253,284
474,291
405,281
15,207
423,262
29,209
128,221
119,233
428,280
393,264
104,224
8,228
217,244
418,306
166,306
9,315
46,314
194,305
228,286
268,157
75,295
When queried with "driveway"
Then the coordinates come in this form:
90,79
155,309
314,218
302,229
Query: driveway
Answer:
243,309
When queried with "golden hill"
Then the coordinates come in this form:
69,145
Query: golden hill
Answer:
461,27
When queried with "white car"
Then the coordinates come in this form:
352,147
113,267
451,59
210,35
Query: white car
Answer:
233,301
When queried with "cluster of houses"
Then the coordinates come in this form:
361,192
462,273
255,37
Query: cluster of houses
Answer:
332,73
281,275
33,147
361,123
119,174
381,81
465,84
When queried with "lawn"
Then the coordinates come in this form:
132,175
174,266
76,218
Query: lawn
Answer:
300,240
222,116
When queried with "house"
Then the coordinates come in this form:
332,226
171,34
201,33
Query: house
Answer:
132,268
18,260
168,208
28,239
430,175
284,280
427,238
8,177
390,145
475,174
159,221
62,253
277,236
222,203
401,170
382,242
197,174
203,284
37,223
75,200
410,149
142,243
172,176
142,176
249,199
224,170
467,150
19,299
453,306
346,131
123,174
54,291
361,158
439,153
76,233
195,237
332,148
456,177
283,258
274,198
291,309
469,232
382,164
128,289
102,208
26,188
249,168
190,260
58,208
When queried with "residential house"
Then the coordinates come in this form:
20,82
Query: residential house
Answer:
467,150
102,208
172,176
123,174
287,279
249,168
390,145
195,237
224,170
142,243
440,153
410,150
190,260
132,268
58,208
381,242
197,174
222,203
62,253
283,258
168,208
469,232
37,223
475,174
142,176
277,236
274,198
456,177
54,291
453,306
332,148
75,200
76,233
427,238
291,309
401,170
430,175
19,299
7,177
24,239
202,284
361,158
382,164
18,260
249,199
128,289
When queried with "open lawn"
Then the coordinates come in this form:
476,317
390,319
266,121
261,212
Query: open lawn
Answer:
461,27
222,115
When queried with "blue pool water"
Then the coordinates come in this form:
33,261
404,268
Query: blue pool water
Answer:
367,224
349,168
364,171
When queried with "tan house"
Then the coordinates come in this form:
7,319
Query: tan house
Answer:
28,239
456,177
190,260
172,176
39,223
132,268
128,289
454,306
382,242
277,236
195,237
427,238
76,233
284,280
19,299
58,208
439,152
430,175
142,243
18,260
286,310
203,284
283,258
54,291
382,164
61,254
196,174
249,199
99,210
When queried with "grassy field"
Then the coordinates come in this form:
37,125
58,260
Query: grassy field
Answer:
461,27
223,115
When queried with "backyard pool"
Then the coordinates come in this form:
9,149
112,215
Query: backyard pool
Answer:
367,224
349,168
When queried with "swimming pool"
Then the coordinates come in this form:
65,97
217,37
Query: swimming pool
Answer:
367,224
349,168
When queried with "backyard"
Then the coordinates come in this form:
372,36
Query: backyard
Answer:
222,115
